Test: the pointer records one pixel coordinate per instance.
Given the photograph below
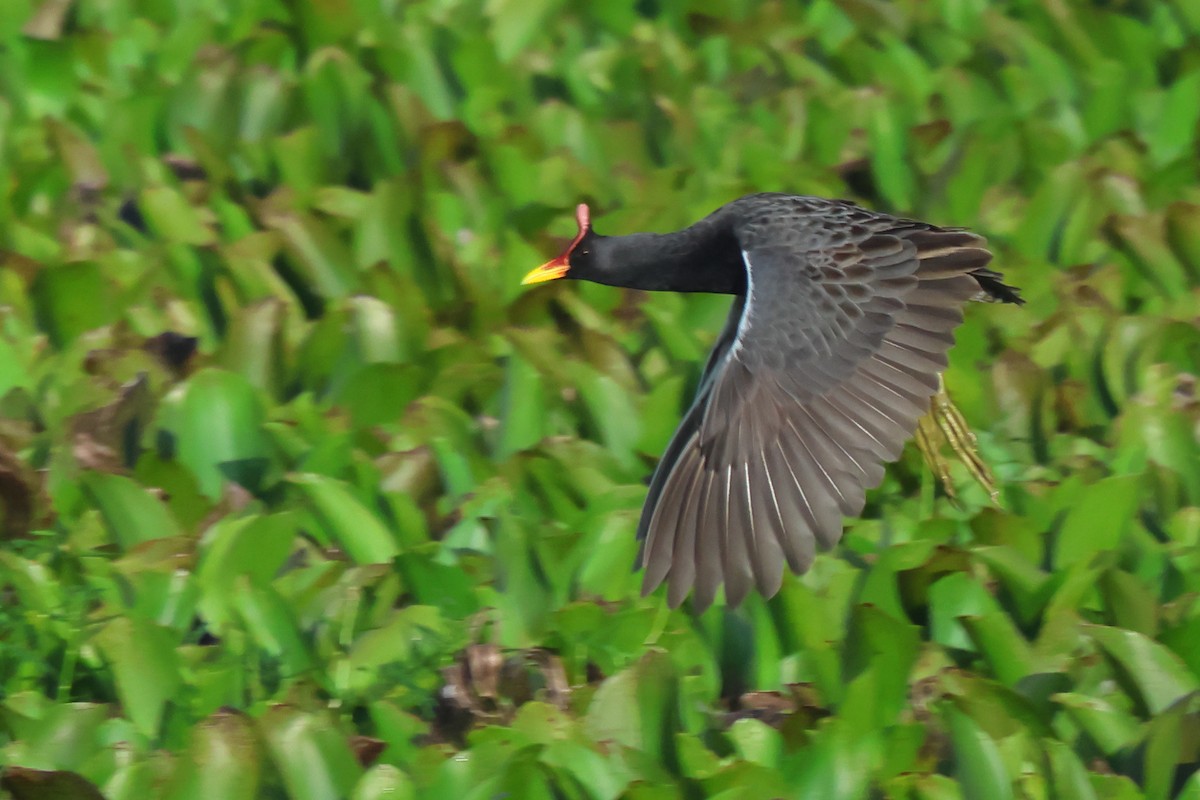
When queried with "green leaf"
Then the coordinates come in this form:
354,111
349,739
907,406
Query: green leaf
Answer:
223,760
346,520
216,421
131,514
636,707
310,753
978,764
522,408
1097,520
146,667
1110,728
320,256
173,218
1156,676
72,299
1068,775
270,620
1006,651
253,546
384,782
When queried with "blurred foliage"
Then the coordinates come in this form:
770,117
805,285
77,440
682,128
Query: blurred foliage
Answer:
303,496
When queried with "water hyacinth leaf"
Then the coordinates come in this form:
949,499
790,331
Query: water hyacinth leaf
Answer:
522,408
395,640
756,742
1139,238
378,394
254,546
131,513
13,372
272,624
311,755
346,520
838,764
318,255
1155,676
71,299
1109,727
439,585
1026,584
384,782
951,598
174,218
889,154
1006,651
224,759
1098,519
215,423
145,666
978,763
636,707
514,25
604,777
1068,776
1174,129
609,411
254,345
1183,234
1171,748
53,736
1130,602
604,556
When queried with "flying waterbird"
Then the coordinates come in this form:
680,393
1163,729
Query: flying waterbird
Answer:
834,347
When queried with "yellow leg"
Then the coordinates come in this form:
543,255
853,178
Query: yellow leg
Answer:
944,424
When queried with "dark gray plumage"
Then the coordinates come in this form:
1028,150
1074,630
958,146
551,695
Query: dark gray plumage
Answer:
830,355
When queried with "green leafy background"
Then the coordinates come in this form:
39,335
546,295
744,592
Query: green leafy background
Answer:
373,537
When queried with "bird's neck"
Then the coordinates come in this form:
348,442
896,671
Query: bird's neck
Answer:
702,258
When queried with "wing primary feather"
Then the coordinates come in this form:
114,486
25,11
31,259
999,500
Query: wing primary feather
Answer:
683,561
708,549
927,379
869,471
739,575
884,417
826,407
659,545
799,543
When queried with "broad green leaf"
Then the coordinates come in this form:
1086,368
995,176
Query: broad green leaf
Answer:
146,668
224,759
1156,675
347,521
1110,728
1068,775
71,299
130,512
384,782
174,218
255,547
272,624
310,754
216,422
637,707
1097,520
978,764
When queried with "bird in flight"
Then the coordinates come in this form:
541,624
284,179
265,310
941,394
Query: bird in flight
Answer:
835,343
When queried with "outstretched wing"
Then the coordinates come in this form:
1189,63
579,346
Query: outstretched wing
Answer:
818,379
